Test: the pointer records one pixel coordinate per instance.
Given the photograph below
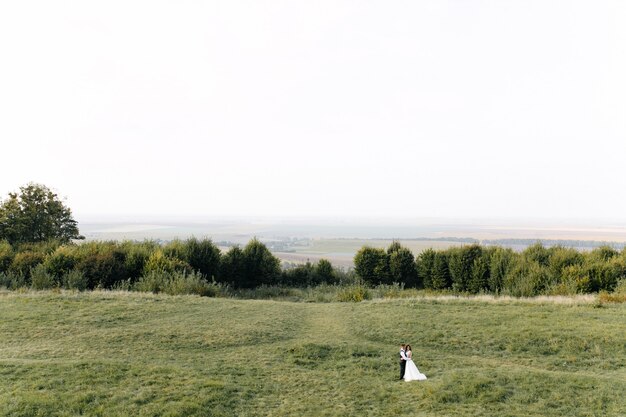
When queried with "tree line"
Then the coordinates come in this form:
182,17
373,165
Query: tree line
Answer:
112,264
488,269
38,248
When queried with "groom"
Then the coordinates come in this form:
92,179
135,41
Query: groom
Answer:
402,360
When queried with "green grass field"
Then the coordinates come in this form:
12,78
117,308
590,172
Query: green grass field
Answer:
131,354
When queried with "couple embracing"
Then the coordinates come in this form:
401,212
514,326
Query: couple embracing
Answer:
408,370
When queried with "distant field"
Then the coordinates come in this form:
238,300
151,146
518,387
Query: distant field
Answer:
120,354
339,241
341,251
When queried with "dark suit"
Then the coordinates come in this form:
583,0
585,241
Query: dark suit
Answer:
402,364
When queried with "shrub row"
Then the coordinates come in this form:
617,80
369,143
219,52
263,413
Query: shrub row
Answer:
180,266
479,269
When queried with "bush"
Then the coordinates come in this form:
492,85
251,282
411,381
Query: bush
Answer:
562,258
193,283
24,262
137,255
562,288
159,262
177,283
6,255
298,276
203,256
602,254
40,279
479,280
325,273
389,290
576,277
372,265
605,275
309,275
102,263
402,266
354,293
537,253
526,279
346,277
60,262
617,296
440,278
12,280
425,263
75,280
502,259
260,266
233,266
460,263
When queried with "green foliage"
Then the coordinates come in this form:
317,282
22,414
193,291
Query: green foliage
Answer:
561,258
425,263
233,266
36,214
604,275
440,278
113,265
354,294
526,279
500,264
75,280
203,256
13,280
325,272
160,262
576,278
62,261
479,280
6,255
261,267
23,262
603,254
308,274
102,263
402,267
372,265
177,283
460,263
40,279
537,253
137,255
299,276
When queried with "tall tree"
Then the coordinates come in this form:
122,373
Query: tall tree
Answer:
425,262
36,214
460,263
261,266
441,273
372,265
402,267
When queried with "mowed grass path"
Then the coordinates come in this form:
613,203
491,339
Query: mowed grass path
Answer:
111,354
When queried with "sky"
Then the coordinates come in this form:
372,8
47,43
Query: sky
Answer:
396,109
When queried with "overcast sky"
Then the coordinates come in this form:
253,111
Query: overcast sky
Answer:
344,108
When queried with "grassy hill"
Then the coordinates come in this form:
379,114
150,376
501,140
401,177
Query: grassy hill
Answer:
114,354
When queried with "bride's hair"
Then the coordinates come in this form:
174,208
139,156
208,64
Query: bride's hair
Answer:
408,347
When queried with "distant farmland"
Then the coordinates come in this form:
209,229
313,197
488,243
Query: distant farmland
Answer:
341,251
298,242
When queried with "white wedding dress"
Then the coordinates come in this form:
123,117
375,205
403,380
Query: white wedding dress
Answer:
411,373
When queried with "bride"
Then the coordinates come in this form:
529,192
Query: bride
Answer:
412,373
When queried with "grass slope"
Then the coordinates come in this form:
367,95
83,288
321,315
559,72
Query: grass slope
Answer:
143,355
